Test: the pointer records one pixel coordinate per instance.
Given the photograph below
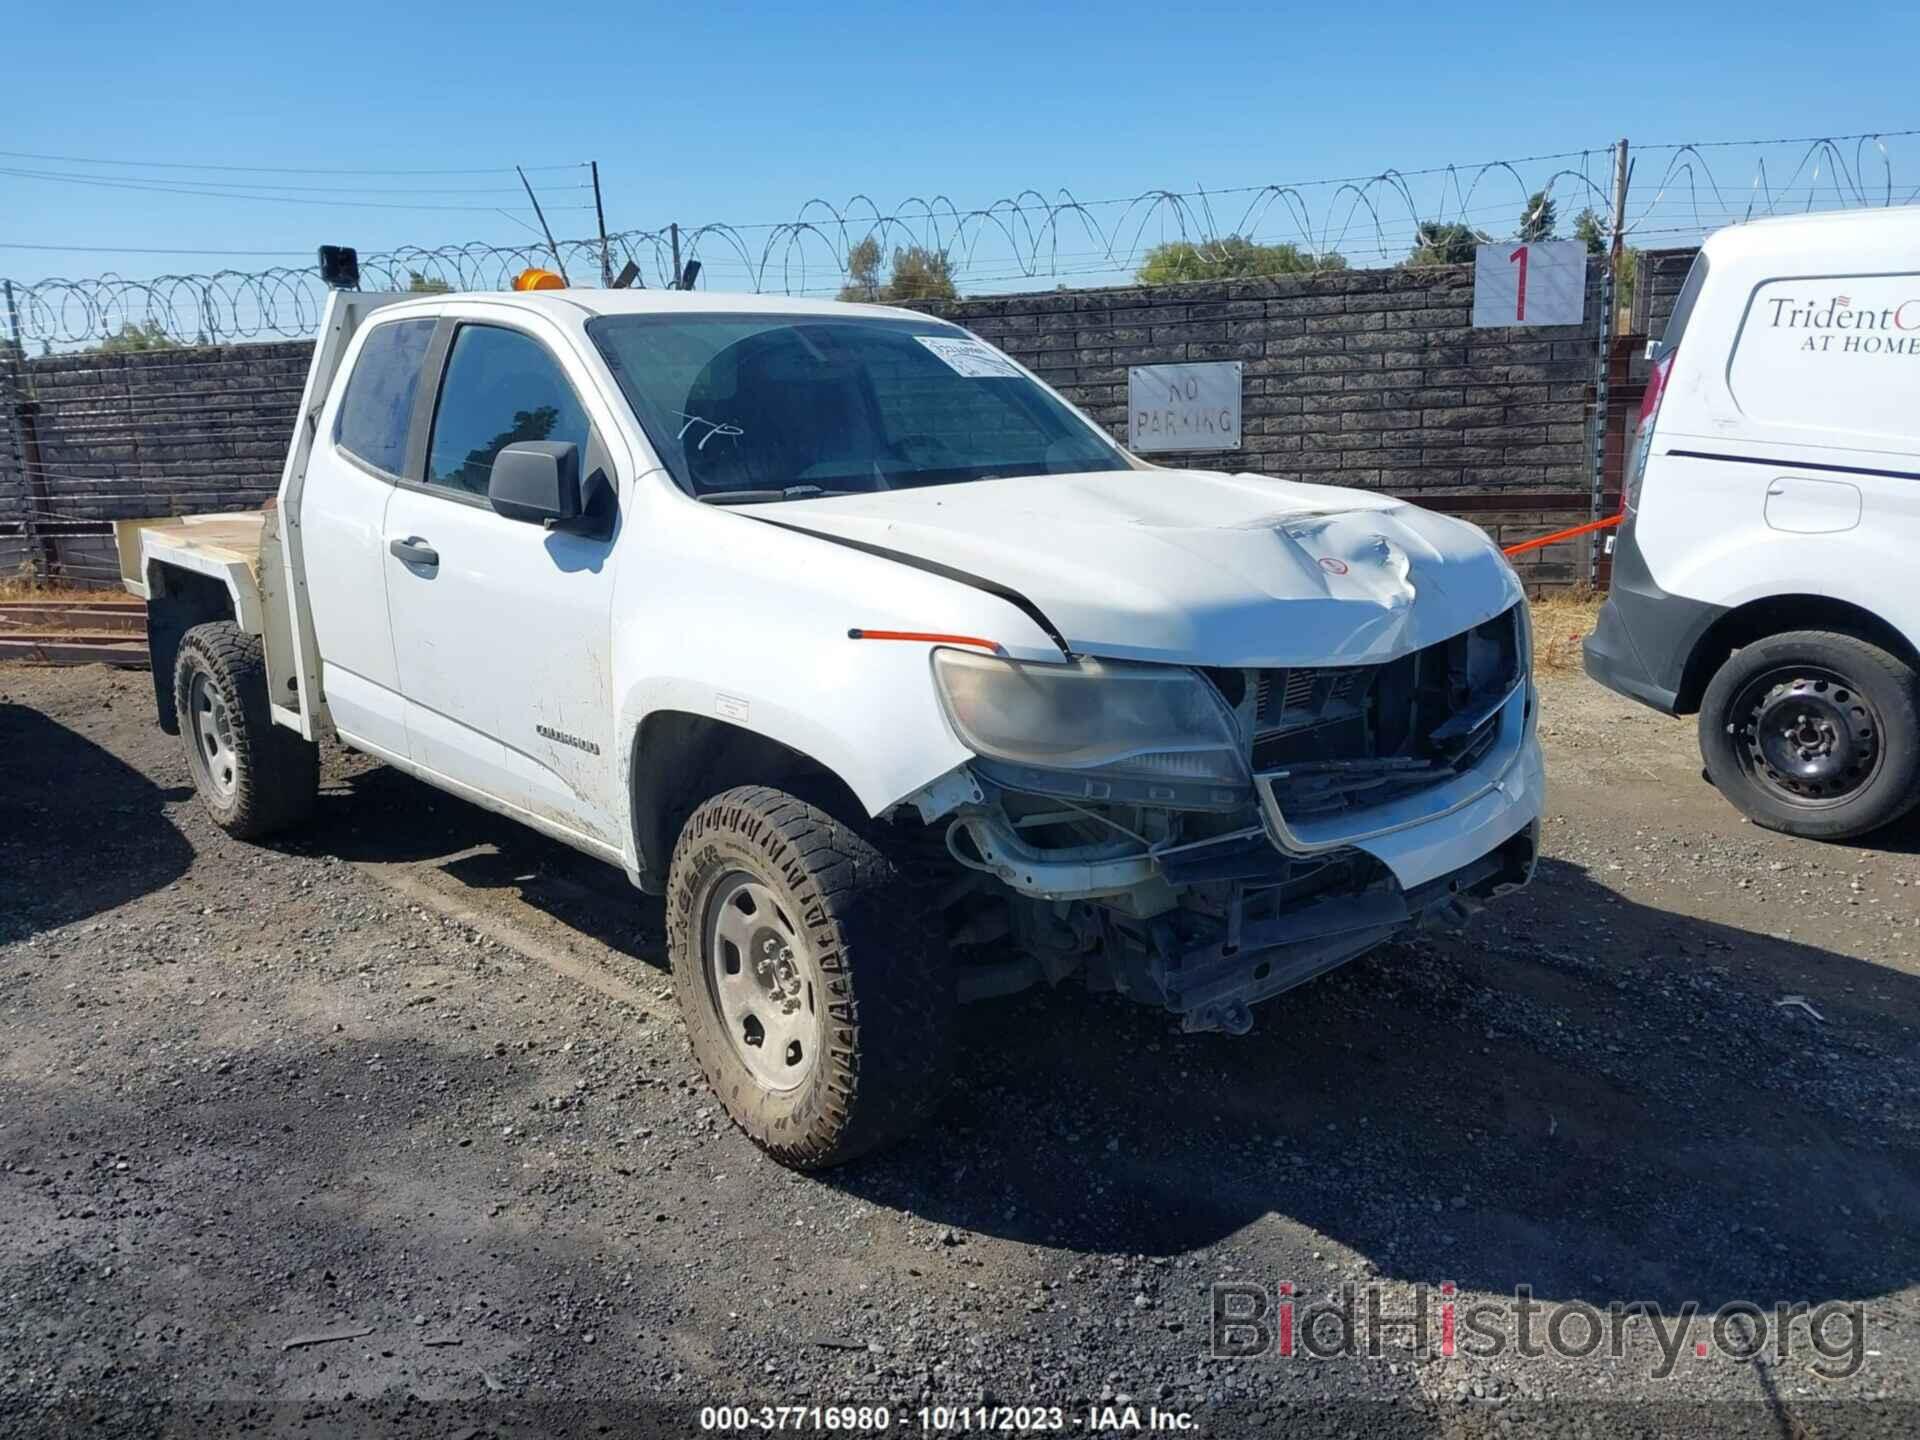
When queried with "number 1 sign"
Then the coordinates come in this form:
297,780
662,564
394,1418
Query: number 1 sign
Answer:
1515,283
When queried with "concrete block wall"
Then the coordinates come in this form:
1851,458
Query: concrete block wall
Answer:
1662,273
1369,378
1366,378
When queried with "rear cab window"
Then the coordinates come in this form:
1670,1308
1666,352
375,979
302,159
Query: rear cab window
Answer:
377,408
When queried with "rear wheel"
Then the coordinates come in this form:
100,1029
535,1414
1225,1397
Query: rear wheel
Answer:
1814,733
254,777
815,992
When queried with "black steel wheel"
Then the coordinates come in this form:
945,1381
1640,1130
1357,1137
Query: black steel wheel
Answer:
1814,733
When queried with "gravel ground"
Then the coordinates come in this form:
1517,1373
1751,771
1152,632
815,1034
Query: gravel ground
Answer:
409,1090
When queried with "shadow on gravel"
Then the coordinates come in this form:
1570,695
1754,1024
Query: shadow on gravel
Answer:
1586,1096
81,831
263,1190
380,816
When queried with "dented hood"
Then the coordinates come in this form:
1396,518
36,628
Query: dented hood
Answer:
1190,565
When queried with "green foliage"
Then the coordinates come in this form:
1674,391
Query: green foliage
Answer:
1437,243
921,274
918,274
1590,230
863,272
1231,257
136,337
418,284
1538,219
1626,275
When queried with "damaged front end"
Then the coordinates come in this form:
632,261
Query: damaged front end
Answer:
1202,841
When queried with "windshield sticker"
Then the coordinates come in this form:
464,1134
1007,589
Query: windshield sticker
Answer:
969,357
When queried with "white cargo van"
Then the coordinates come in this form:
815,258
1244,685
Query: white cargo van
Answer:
1764,574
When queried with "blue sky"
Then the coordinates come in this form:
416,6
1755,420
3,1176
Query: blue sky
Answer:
700,113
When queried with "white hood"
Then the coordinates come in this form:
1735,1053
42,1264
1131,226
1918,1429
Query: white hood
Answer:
1194,566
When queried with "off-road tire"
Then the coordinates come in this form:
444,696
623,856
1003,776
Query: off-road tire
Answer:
1881,691
887,1018
275,774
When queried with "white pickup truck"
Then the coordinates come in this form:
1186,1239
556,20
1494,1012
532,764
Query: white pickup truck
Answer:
900,679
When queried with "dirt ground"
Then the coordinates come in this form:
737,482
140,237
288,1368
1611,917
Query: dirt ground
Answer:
391,1128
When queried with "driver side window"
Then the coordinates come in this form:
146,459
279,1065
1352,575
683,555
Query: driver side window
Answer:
501,388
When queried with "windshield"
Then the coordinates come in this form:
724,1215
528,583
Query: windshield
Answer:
767,407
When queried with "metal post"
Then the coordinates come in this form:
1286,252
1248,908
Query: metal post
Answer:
540,215
600,215
674,229
24,445
1603,367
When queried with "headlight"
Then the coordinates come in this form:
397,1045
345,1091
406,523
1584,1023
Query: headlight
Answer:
1147,732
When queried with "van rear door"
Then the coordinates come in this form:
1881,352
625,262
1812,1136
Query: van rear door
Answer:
1785,458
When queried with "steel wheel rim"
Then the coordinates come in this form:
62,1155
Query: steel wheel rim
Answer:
212,735
762,981
1807,735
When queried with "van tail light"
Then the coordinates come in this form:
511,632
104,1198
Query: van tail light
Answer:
1643,432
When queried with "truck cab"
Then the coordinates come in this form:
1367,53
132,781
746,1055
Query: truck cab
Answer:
1762,570
900,680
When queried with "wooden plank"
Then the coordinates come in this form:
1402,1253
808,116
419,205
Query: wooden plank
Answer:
122,618
1496,500
76,637
69,650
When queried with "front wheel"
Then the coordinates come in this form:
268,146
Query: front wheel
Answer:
1814,733
815,990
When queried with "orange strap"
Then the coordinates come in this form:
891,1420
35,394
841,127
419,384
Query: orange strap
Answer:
1525,545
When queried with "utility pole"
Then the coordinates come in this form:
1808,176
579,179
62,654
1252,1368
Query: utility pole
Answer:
1619,199
599,214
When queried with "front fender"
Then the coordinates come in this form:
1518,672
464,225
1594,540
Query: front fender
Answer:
869,716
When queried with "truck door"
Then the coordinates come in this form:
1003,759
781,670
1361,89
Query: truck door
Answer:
351,473
501,628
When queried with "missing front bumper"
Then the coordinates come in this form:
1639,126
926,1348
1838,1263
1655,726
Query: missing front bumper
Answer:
1212,984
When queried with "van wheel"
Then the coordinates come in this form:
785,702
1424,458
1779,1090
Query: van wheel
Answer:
815,992
1814,733
255,777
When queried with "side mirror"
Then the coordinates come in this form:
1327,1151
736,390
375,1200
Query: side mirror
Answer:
537,481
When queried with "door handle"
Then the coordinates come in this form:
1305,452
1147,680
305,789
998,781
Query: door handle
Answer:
415,551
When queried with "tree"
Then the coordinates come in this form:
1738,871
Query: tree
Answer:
863,272
921,274
419,284
1231,257
1590,230
1438,243
137,336
918,274
1538,219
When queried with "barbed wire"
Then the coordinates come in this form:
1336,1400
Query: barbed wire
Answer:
1031,237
